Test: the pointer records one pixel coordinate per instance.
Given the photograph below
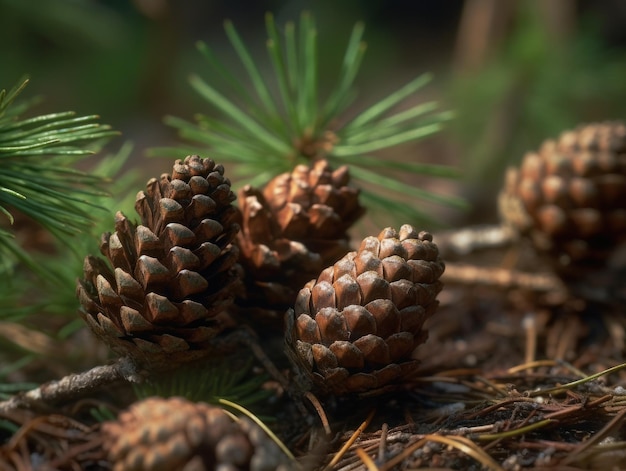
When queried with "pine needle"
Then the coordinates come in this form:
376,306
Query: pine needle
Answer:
460,443
346,446
367,461
34,176
573,384
260,423
269,123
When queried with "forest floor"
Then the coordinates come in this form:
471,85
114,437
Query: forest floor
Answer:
517,373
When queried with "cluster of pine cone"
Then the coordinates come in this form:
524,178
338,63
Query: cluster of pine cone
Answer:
196,266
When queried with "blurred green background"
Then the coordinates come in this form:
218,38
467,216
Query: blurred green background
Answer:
515,71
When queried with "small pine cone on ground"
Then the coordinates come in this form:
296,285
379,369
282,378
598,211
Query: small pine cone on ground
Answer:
293,228
175,434
570,196
355,328
165,291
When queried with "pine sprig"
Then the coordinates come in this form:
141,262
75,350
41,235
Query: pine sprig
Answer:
208,382
36,173
52,294
278,121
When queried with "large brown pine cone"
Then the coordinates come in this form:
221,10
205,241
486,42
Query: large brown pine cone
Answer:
170,280
570,196
293,228
355,328
175,434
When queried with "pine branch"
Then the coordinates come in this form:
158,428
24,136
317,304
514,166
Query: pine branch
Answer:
36,177
277,121
39,271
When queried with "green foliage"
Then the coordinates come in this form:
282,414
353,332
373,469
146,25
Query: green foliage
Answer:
102,413
209,382
55,201
42,299
36,177
534,88
9,388
272,124
50,290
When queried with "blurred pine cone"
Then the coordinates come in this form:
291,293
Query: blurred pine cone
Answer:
176,434
570,196
170,280
355,328
293,228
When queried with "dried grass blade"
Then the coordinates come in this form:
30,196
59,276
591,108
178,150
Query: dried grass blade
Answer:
515,432
367,461
350,441
320,412
260,423
531,365
578,382
460,443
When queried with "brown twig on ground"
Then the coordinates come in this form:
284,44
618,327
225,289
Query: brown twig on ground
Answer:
73,386
382,446
502,278
529,325
470,239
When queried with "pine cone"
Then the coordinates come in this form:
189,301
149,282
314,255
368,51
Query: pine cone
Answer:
172,277
570,196
176,434
355,328
293,228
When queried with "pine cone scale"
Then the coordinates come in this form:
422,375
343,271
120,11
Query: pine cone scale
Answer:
353,329
173,274
291,229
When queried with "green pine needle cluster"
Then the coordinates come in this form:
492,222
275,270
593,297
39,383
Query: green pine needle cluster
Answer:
43,284
278,122
37,176
209,382
7,389
48,220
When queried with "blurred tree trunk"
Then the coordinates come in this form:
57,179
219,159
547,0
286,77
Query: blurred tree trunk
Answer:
486,23
484,29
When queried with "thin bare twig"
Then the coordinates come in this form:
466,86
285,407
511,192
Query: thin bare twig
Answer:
73,386
529,324
317,405
502,278
382,446
470,239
